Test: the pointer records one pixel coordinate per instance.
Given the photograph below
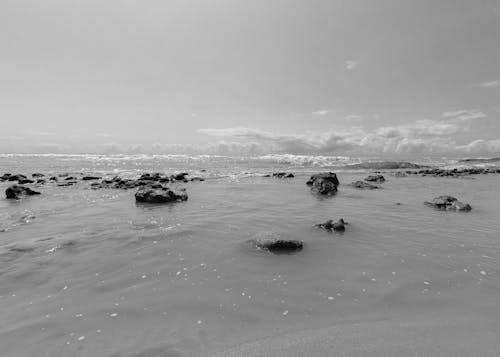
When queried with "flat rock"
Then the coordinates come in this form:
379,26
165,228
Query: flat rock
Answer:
364,185
375,178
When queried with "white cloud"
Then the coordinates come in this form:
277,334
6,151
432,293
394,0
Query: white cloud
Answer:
351,117
424,136
490,84
351,64
321,112
463,114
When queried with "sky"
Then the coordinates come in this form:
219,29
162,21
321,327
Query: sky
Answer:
232,77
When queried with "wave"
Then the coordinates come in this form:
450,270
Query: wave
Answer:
385,165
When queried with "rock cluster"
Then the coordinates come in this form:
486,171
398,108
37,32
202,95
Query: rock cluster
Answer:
457,172
281,175
160,195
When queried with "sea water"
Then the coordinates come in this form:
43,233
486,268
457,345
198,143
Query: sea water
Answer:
92,273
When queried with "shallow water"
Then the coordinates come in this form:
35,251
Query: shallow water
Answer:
91,273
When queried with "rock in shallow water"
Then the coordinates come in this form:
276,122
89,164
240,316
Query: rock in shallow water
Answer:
449,203
279,246
16,191
160,195
364,185
324,183
375,178
331,225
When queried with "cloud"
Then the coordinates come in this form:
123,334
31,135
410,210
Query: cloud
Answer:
490,84
423,136
321,112
463,114
351,117
351,64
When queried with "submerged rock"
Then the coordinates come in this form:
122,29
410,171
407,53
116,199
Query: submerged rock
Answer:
449,203
331,225
375,178
364,185
160,195
324,183
16,191
280,246
282,175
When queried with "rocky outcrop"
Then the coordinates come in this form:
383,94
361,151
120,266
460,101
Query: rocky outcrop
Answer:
279,246
17,191
375,178
448,203
364,185
456,172
160,195
330,225
324,183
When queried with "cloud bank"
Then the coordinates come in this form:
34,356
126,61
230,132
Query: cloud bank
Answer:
421,137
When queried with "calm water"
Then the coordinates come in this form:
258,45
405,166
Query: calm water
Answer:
91,273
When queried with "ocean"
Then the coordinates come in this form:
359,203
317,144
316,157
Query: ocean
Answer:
87,272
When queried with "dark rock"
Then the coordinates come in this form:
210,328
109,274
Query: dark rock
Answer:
401,174
40,181
324,183
283,175
449,203
180,177
329,176
22,182
15,191
201,179
331,225
364,185
66,184
17,177
91,178
375,178
280,246
53,178
5,176
37,174
70,178
160,195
